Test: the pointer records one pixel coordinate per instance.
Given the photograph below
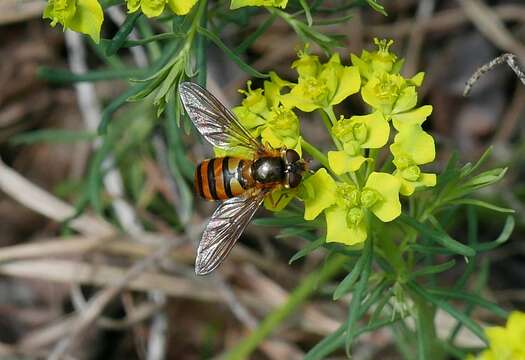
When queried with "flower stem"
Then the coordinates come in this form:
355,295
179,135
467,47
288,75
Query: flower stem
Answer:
305,289
329,120
315,153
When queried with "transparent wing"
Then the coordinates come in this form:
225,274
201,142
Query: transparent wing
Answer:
216,123
226,226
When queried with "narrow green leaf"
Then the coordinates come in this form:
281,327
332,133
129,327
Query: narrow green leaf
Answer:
201,46
483,204
122,33
234,57
285,221
458,315
292,232
425,249
329,344
249,40
52,136
307,249
115,105
348,282
433,269
307,12
357,295
439,237
502,238
377,6
470,298
333,21
62,76
469,168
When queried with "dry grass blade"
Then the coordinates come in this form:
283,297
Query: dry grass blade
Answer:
66,271
39,200
492,27
97,304
511,61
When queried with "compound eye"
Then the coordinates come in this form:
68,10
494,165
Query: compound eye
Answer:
292,156
294,180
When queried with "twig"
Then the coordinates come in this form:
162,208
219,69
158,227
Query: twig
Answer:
511,61
126,215
42,202
424,13
490,25
97,304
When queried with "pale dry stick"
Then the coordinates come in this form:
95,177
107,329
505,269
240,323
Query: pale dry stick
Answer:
442,22
492,27
12,11
424,12
90,109
42,202
77,272
511,61
512,116
126,215
97,304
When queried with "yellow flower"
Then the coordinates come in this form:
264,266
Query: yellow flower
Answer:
235,4
357,133
345,206
321,85
381,60
412,147
152,8
506,343
84,16
262,113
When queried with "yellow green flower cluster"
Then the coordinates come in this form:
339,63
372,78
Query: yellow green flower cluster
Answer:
86,16
349,189
506,343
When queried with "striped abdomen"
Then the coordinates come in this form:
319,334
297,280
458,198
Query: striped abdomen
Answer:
223,178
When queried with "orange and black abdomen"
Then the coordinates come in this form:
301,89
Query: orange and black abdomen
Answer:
222,178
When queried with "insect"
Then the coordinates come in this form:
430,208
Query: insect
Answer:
241,183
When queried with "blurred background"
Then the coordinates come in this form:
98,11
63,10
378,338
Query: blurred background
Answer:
70,279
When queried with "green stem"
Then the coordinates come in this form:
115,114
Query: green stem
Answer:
299,295
315,153
329,120
427,346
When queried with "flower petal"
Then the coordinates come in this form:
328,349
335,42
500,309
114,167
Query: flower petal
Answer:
406,100
88,19
235,4
337,229
278,199
414,143
153,8
389,207
181,7
340,162
414,117
318,193
378,130
349,83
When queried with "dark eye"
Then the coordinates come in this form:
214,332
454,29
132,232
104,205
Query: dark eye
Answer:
292,156
294,180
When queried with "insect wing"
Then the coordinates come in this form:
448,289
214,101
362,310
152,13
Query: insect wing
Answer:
215,122
224,229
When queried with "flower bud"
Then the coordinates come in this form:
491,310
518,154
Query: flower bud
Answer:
360,132
369,197
411,173
354,217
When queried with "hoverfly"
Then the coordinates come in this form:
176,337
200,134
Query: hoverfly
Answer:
241,183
